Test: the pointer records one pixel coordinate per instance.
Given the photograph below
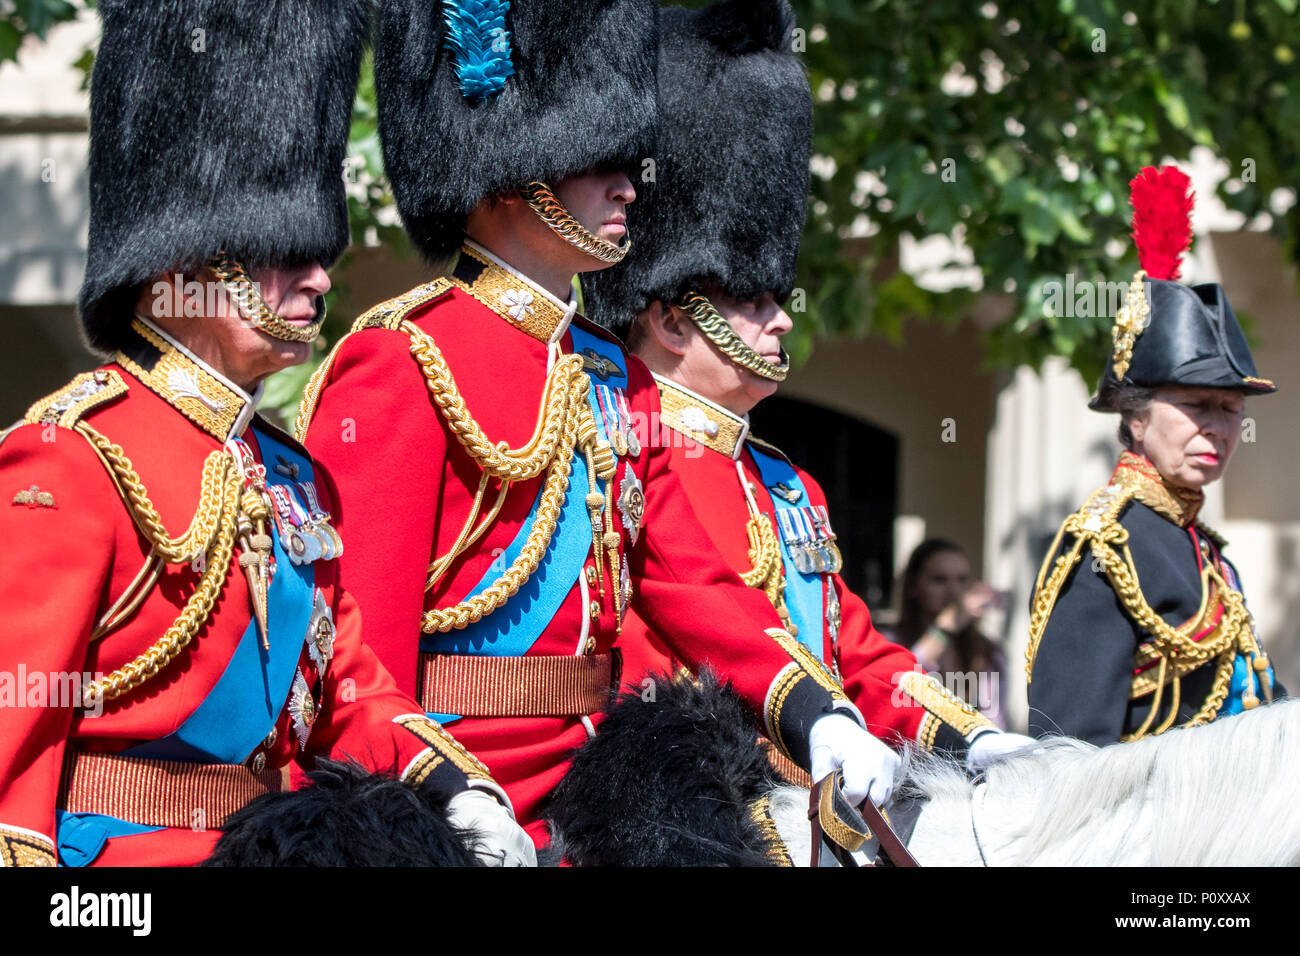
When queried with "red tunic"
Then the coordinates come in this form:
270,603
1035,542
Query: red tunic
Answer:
386,447
879,676
67,558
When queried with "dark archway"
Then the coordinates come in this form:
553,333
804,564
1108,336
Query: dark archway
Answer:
857,466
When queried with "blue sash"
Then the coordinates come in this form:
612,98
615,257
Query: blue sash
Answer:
82,836
803,592
247,700
511,630
1243,675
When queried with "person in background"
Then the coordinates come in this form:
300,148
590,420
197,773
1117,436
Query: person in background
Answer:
939,621
1138,622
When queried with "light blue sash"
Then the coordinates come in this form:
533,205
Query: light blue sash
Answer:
803,592
247,700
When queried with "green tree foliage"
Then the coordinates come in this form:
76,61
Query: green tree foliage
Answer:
22,18
1013,128
1018,127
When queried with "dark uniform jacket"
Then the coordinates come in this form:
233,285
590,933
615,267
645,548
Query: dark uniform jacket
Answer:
1101,666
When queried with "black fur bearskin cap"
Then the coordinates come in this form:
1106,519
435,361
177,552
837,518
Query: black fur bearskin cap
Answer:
479,97
735,136
667,782
344,817
215,124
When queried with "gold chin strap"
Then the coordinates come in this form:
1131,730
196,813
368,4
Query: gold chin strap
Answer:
241,289
551,211
719,331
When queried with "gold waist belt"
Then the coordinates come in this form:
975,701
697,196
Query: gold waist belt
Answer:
790,771
542,686
161,793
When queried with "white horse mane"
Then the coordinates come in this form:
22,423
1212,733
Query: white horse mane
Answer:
1222,794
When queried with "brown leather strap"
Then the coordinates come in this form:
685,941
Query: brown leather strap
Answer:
540,686
161,793
890,844
846,828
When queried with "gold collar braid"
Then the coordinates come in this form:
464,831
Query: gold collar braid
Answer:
246,296
551,211
190,386
719,331
701,420
1179,505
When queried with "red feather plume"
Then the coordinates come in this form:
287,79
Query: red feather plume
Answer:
1162,219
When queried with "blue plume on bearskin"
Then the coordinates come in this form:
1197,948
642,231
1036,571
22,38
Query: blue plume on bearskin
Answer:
346,816
581,94
667,781
477,37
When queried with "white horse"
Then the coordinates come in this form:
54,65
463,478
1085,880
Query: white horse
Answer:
1219,795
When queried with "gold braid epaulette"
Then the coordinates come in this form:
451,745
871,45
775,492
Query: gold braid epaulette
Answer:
386,315
1096,526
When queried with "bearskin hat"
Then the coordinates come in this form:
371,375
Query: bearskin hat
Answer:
345,816
477,98
215,124
735,135
670,779
1173,334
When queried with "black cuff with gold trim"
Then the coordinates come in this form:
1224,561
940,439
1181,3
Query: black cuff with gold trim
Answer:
446,766
950,724
20,847
802,693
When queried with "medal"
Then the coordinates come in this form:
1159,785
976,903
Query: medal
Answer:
302,709
633,443
320,635
631,503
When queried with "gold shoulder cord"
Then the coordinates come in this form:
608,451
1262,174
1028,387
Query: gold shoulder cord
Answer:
1097,527
211,534
565,423
768,571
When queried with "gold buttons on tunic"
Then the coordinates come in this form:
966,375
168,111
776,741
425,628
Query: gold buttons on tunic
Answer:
259,762
269,742
595,610
591,575
590,646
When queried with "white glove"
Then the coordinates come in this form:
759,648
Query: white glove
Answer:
991,746
869,766
501,841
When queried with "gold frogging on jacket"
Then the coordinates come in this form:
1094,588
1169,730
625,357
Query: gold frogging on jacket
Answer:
1224,624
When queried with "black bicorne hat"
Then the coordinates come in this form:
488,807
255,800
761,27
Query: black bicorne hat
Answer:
215,124
735,134
477,98
1168,333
